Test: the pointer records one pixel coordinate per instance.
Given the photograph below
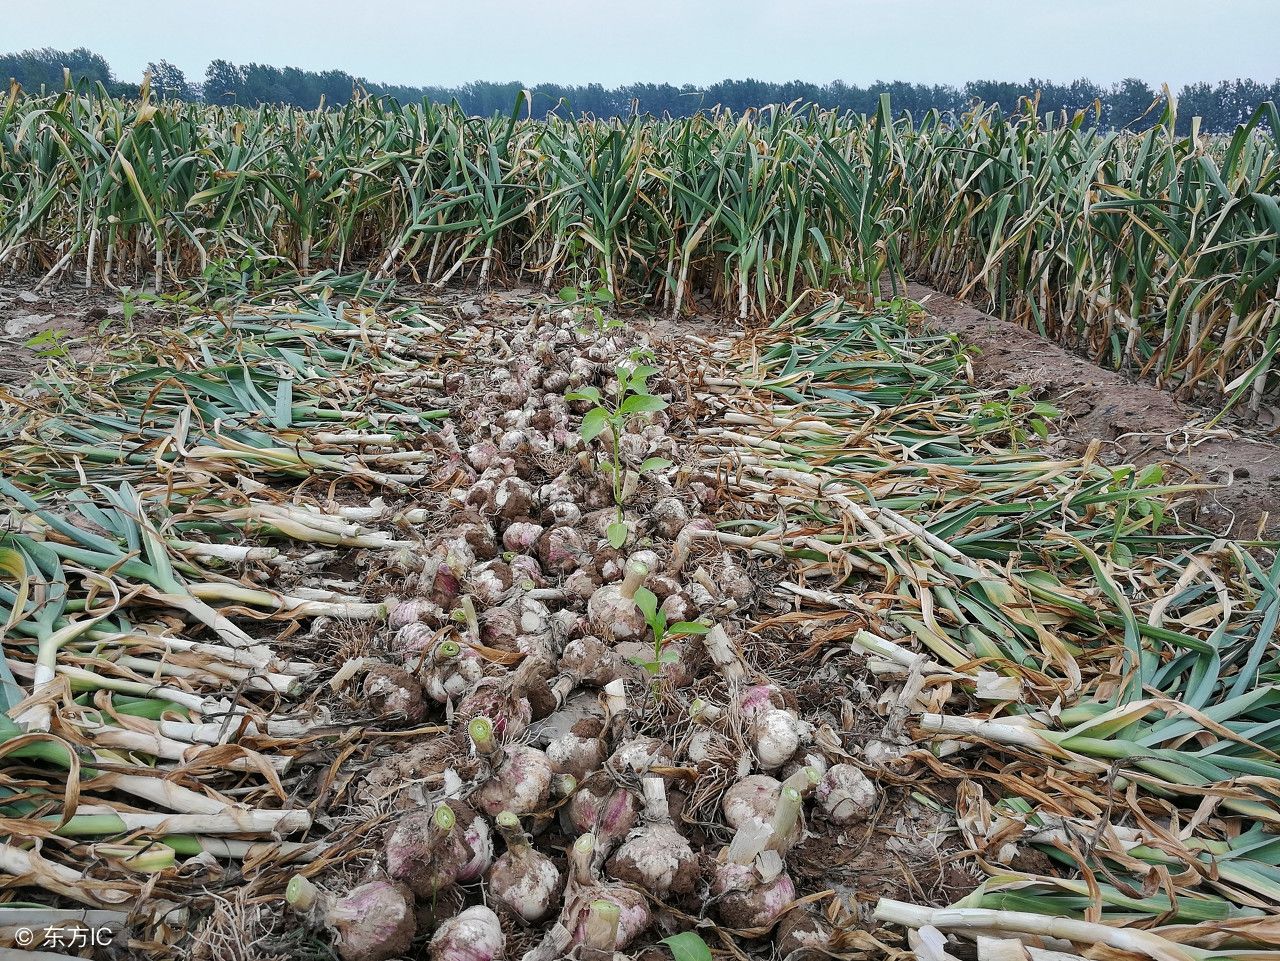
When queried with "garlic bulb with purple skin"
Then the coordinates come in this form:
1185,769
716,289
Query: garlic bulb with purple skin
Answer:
613,611
560,490
453,672
587,660
677,669
668,517
776,736
600,933
601,808
846,795
440,582
415,610
751,800
582,583
608,563
513,499
490,582
753,803
562,514
479,838
735,584
750,884
412,641
482,455
776,732
526,568
560,549
520,778
427,850
745,900
521,536
655,856
662,585
519,616
752,700
497,700
579,750
585,888
371,922
646,557
475,531
394,692
523,881
474,935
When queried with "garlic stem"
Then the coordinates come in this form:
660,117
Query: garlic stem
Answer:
718,647
615,697
565,785
785,816
633,579
229,553
804,780
602,927
444,819
301,893
754,838
630,481
469,615
481,731
580,857
511,831
655,799
1144,943
704,713
750,840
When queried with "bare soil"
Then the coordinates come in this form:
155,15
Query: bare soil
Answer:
37,323
1135,423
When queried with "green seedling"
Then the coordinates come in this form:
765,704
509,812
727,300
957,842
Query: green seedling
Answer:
663,633
594,300
633,397
47,343
1015,418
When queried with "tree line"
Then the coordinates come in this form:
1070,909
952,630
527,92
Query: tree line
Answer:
1128,103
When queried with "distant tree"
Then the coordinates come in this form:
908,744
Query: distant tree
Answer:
1198,100
1246,95
335,86
1063,101
223,82
995,92
43,68
168,82
263,83
1128,104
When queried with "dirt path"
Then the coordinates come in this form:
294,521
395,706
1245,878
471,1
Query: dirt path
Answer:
1135,422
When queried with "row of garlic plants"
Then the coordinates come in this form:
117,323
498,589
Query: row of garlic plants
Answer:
1153,252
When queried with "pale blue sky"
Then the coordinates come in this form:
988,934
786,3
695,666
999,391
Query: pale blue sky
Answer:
611,42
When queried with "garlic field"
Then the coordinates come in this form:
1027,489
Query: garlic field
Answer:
493,627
